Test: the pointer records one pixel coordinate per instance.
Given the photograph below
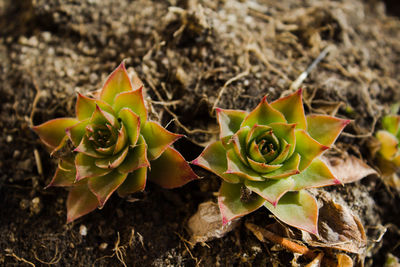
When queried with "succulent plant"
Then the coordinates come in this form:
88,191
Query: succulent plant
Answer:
268,157
111,146
389,141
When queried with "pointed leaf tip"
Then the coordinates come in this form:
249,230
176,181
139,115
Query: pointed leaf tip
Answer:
80,202
171,170
52,132
325,129
116,83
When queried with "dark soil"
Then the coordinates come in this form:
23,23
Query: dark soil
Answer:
196,56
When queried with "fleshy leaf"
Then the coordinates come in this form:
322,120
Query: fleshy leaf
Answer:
134,182
77,131
316,175
271,190
229,121
286,132
308,148
231,205
236,166
136,158
213,159
52,132
391,123
290,167
157,139
80,201
263,167
132,123
116,83
239,143
298,209
389,144
325,129
263,114
134,101
112,162
292,108
283,153
85,106
86,148
64,176
103,186
171,170
101,117
86,167
121,139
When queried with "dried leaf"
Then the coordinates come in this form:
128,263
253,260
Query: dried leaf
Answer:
348,169
206,223
338,228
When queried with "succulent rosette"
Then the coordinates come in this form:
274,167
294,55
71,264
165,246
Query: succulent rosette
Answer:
389,140
111,146
268,157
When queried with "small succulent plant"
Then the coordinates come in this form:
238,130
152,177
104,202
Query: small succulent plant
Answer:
268,157
111,146
389,140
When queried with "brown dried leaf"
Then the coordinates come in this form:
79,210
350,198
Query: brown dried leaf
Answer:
338,228
348,169
206,223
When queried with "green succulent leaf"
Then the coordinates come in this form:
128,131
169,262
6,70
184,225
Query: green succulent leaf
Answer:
86,148
238,141
262,167
80,201
158,139
213,159
77,131
136,158
325,129
132,123
64,176
308,148
263,114
170,170
229,121
231,205
134,101
236,167
389,144
103,186
85,106
134,182
289,167
391,123
101,117
287,133
116,83
298,209
86,167
292,108
52,132
121,140
271,190
113,161
316,175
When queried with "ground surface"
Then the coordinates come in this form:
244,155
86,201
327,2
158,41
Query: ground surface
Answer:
194,57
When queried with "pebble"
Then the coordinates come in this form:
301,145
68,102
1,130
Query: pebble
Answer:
9,138
83,230
103,246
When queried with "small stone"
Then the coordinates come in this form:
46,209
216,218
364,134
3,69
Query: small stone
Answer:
83,230
36,206
9,138
33,41
16,154
103,246
46,36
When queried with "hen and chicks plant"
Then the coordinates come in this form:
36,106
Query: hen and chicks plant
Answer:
268,157
111,145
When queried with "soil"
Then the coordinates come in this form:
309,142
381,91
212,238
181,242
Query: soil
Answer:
193,56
